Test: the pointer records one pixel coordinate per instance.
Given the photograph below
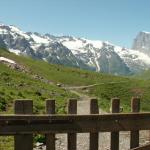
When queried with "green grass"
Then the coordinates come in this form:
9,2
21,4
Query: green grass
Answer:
144,75
17,85
58,73
76,77
124,91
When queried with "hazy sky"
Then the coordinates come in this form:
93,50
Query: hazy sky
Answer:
117,21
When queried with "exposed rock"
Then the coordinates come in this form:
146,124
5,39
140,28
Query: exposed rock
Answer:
78,52
142,42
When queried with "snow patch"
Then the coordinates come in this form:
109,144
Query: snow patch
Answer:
136,55
35,46
79,45
58,57
18,31
108,56
74,45
39,39
146,32
97,64
7,60
16,51
3,31
44,59
96,44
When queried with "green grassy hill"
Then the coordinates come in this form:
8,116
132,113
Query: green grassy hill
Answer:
145,75
16,84
123,87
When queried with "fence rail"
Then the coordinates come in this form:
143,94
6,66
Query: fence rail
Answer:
24,124
145,147
29,124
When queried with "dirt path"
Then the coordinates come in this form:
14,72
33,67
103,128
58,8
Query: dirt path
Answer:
83,107
92,85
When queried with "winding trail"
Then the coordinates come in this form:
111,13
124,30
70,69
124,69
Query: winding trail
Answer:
92,85
83,107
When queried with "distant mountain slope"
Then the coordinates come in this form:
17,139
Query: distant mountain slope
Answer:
76,52
144,75
142,42
23,84
37,80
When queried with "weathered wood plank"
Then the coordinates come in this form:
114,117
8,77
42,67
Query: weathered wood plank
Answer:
115,108
50,138
72,137
144,147
23,142
26,124
134,139
94,136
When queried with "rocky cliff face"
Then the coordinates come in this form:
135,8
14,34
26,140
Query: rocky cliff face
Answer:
75,52
142,42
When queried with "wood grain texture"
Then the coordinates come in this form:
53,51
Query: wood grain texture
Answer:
115,107
50,138
134,139
23,142
94,137
144,147
26,124
72,137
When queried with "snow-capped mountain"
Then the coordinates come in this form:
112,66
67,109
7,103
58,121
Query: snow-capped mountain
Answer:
77,52
142,42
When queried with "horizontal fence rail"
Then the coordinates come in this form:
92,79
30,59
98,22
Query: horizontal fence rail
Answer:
144,147
23,125
26,124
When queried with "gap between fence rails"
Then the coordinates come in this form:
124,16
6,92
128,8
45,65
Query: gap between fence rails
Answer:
24,124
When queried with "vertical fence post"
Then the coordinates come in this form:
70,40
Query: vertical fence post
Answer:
115,108
135,107
50,138
23,142
72,137
94,137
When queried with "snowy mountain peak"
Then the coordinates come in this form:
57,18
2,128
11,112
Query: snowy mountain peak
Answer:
83,53
39,38
145,32
142,42
2,24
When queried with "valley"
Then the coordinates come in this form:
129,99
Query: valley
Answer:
41,80
41,67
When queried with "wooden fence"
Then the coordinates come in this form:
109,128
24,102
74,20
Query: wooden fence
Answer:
24,124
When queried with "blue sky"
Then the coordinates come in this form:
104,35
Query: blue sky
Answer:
117,21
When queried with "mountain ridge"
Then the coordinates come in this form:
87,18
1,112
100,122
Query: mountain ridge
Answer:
106,86
74,52
142,42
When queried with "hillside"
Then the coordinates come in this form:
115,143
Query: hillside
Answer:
20,85
144,75
94,55
142,42
15,84
37,80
